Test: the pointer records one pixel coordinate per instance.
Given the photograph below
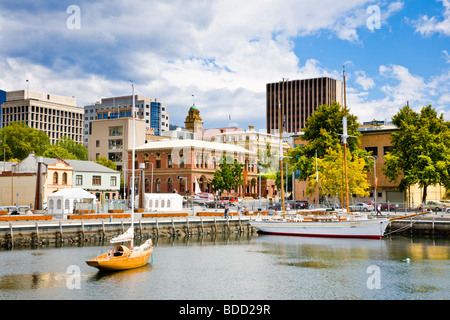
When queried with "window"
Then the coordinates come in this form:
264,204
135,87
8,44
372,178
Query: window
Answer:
373,149
67,204
64,178
79,180
97,143
55,178
115,131
113,181
158,163
169,161
96,180
58,204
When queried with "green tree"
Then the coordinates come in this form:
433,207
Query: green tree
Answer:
228,176
77,149
331,173
420,150
54,151
106,163
323,132
18,140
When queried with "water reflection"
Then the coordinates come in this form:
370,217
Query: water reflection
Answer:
32,281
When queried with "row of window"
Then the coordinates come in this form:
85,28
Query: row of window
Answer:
96,180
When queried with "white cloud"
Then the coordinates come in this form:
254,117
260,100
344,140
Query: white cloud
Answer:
428,26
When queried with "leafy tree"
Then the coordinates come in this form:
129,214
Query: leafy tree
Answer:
331,173
106,163
73,147
228,176
18,140
420,150
323,132
54,151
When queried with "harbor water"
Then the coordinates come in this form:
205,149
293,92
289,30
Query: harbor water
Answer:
238,267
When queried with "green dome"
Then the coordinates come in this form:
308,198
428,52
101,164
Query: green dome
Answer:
193,107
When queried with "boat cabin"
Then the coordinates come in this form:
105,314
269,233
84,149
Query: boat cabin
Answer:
120,250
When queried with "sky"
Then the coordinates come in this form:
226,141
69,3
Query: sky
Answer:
220,54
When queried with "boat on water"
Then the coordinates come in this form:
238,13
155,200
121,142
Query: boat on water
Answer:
331,226
122,257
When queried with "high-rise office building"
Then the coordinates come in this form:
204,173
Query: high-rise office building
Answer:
298,100
57,116
152,110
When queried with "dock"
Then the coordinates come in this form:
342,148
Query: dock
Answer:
90,228
37,230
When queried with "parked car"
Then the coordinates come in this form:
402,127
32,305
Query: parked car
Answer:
278,206
361,206
318,207
435,206
298,204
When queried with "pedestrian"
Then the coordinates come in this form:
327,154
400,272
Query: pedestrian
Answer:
226,212
379,209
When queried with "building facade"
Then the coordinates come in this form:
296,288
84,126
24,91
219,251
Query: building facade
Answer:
112,138
32,180
57,116
152,110
176,165
298,100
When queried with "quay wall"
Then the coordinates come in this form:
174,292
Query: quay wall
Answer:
91,228
36,233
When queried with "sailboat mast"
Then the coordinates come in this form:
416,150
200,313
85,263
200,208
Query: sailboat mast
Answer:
281,157
133,137
344,140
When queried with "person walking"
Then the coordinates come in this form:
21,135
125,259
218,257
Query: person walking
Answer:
226,212
379,209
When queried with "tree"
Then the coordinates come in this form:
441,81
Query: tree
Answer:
323,132
331,173
228,176
77,149
54,151
106,163
420,150
18,140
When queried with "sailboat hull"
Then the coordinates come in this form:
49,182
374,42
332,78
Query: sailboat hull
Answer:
370,228
106,262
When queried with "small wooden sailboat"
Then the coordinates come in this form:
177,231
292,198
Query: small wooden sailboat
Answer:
122,257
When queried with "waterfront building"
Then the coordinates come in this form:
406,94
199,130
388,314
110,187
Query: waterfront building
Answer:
32,180
176,165
57,116
299,99
153,111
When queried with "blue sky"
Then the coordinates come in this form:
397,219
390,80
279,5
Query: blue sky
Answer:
224,52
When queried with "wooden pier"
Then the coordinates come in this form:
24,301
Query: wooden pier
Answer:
35,230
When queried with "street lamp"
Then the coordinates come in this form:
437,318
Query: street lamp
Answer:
374,179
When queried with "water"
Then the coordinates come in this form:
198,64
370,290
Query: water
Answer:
233,268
